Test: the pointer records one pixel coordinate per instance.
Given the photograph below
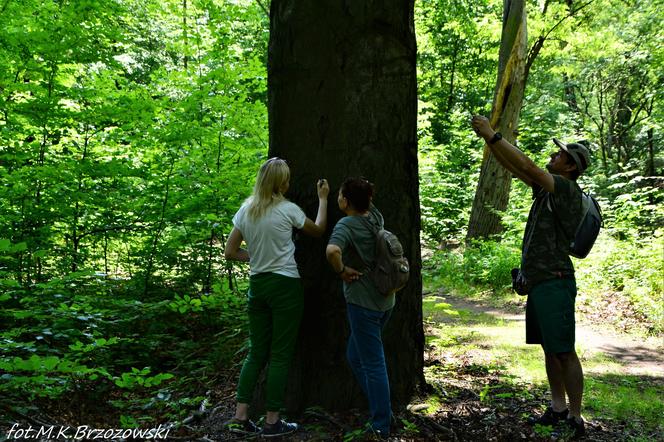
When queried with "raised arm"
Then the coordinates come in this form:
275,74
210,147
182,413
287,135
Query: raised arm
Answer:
317,228
512,158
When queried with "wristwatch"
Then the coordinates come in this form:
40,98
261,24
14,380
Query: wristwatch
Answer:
495,138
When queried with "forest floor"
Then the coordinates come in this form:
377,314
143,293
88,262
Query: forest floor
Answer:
634,355
483,382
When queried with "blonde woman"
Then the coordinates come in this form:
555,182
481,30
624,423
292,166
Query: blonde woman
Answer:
276,298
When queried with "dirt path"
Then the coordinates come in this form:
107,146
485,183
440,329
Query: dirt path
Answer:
635,355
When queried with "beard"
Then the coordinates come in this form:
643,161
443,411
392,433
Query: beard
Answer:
548,167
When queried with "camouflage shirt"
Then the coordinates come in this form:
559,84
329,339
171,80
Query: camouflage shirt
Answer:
551,226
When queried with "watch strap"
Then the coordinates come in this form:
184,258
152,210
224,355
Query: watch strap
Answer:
495,138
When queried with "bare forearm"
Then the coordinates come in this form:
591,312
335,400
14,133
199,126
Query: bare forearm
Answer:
347,274
509,157
232,251
239,255
321,216
334,258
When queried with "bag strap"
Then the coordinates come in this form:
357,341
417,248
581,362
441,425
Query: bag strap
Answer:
375,229
583,193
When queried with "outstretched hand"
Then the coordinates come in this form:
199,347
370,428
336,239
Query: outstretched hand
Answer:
482,126
323,188
350,274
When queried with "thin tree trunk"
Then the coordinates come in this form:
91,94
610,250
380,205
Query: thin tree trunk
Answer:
184,32
228,266
651,152
106,269
75,237
494,184
159,229
450,97
42,157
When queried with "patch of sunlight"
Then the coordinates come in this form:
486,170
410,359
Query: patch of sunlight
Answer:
427,304
505,345
525,362
597,362
434,404
447,341
431,304
443,306
439,311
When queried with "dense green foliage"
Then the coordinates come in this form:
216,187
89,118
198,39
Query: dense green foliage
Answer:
593,79
130,132
583,45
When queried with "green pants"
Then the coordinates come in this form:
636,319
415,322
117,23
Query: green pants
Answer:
550,315
276,303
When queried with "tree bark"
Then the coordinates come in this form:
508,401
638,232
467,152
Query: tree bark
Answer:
342,101
450,97
650,171
494,184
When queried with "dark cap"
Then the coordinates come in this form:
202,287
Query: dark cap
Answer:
578,152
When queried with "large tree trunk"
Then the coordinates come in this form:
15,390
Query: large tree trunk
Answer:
342,101
494,184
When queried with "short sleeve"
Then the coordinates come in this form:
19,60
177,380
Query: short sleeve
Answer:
568,203
238,218
564,191
340,235
296,215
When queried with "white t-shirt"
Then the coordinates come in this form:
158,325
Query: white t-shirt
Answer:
270,238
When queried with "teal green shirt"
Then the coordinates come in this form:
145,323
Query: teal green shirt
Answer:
356,237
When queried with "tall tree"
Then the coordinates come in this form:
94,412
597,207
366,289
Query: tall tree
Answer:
342,101
494,184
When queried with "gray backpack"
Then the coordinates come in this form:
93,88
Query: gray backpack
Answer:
392,270
588,229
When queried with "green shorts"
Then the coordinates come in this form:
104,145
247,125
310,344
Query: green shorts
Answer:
550,315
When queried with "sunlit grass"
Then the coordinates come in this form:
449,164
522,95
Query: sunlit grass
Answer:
619,282
497,343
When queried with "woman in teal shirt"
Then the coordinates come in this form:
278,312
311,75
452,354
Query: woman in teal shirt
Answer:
350,251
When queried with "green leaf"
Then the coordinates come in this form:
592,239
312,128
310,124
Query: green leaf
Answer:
20,247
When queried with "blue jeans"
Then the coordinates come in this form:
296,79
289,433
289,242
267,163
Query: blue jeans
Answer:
367,360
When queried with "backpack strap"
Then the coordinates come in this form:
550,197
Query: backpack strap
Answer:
373,227
551,203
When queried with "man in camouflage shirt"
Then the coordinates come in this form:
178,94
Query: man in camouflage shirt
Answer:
547,273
